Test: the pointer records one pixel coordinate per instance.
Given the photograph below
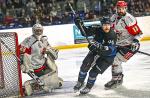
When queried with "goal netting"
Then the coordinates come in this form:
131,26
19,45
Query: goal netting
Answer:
10,73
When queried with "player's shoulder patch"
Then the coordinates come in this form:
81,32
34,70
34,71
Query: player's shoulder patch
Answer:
113,17
44,37
130,19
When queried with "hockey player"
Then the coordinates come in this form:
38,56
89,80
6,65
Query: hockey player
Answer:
101,54
38,57
128,33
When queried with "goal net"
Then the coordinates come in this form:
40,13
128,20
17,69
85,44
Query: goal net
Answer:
10,73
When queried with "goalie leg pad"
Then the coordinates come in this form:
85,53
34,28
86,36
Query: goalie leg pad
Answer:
31,86
28,88
52,65
51,81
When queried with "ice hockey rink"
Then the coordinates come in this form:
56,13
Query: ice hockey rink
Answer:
136,76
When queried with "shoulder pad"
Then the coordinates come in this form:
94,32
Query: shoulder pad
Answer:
130,20
44,38
113,18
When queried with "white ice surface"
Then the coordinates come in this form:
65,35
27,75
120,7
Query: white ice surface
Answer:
136,76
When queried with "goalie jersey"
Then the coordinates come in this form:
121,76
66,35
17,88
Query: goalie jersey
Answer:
35,48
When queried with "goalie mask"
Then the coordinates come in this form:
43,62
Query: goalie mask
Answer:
37,29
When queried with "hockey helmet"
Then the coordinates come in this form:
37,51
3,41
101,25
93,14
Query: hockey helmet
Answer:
121,4
37,29
105,20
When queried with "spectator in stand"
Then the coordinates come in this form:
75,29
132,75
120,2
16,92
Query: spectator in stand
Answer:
28,21
24,2
1,16
58,11
66,18
17,4
8,19
9,4
12,11
95,18
31,5
147,9
46,20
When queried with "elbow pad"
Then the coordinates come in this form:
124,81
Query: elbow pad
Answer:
134,29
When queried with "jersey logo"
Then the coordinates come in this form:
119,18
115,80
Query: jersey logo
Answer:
109,42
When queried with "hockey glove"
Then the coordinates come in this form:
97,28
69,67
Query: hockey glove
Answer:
53,53
78,21
95,47
135,45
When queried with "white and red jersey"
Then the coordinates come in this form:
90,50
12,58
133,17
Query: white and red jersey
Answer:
126,28
35,47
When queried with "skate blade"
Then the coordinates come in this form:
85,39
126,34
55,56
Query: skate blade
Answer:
113,87
75,91
82,94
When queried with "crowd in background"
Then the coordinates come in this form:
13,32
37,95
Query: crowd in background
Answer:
25,13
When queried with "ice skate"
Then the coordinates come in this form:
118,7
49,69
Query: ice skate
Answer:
85,90
78,86
114,83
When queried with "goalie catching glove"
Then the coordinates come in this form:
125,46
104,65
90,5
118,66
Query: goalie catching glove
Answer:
53,53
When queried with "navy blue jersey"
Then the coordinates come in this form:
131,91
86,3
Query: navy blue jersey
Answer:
108,40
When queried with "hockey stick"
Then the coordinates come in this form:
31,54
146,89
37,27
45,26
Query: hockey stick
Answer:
31,74
137,51
82,30
144,53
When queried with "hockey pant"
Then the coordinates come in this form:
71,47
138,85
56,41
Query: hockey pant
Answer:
50,78
87,63
102,63
97,63
123,55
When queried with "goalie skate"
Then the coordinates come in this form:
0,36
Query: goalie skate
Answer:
31,86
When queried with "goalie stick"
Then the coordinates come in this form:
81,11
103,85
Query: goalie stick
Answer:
31,74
